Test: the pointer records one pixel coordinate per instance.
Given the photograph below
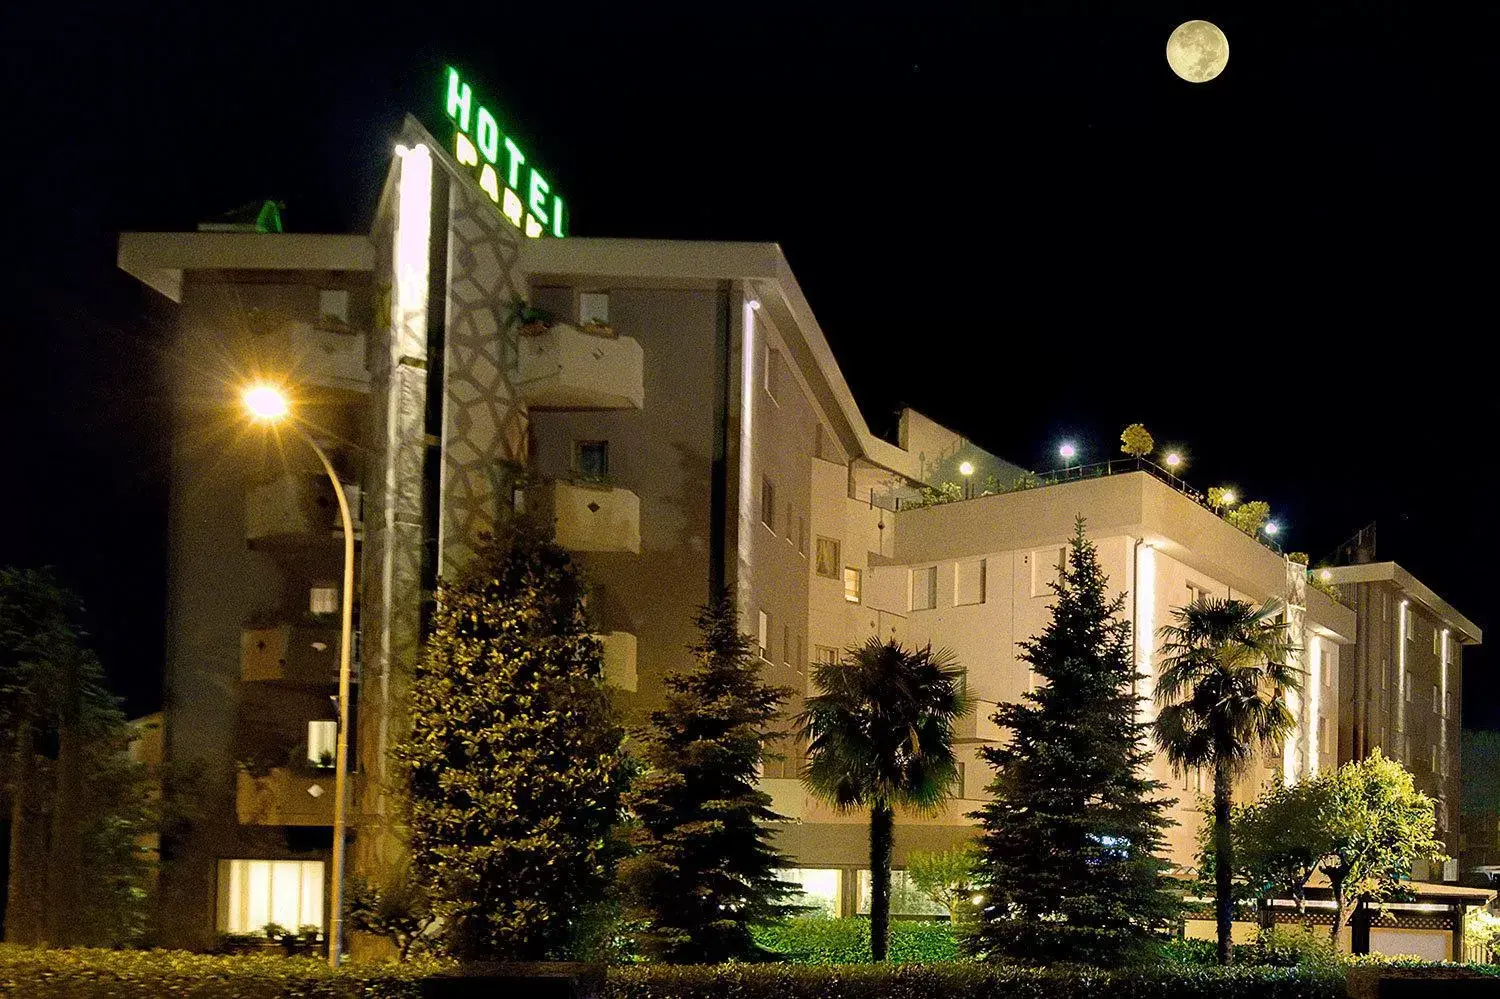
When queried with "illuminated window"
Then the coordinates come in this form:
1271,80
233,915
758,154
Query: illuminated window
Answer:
906,899
322,740
924,588
768,503
323,600
1437,701
820,889
763,635
969,582
827,561
851,584
253,893
593,307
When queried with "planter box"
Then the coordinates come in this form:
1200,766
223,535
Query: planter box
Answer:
533,980
1420,983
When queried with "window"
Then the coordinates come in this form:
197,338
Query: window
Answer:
1323,734
789,539
786,645
1411,634
827,561
924,588
593,307
323,600
851,584
906,900
253,893
969,582
1437,642
1385,607
959,787
820,889
762,635
768,503
825,654
1196,594
322,741
1407,683
591,458
1437,701
801,535
333,306
1434,763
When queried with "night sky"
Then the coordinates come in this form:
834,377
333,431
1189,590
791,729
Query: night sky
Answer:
1012,217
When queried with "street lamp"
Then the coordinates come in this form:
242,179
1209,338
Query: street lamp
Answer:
268,404
1174,460
1272,528
966,469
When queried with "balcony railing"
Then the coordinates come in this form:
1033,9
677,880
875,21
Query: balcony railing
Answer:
563,367
303,654
590,516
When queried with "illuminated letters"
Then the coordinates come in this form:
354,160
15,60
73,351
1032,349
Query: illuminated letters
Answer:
488,134
458,100
524,196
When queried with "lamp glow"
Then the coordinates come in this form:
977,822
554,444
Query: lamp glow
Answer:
1272,528
1325,576
966,468
1173,459
1229,498
265,402
1067,452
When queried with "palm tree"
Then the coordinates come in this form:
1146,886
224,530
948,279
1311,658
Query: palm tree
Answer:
1222,693
880,735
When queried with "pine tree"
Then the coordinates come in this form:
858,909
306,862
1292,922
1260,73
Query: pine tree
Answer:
514,763
705,869
1069,864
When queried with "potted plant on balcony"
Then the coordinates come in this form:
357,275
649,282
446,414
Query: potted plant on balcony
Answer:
598,327
530,321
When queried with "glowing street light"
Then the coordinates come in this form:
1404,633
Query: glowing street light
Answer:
1173,460
1326,576
966,469
1272,528
268,404
1067,451
1228,498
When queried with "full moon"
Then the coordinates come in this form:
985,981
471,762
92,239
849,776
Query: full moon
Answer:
1197,51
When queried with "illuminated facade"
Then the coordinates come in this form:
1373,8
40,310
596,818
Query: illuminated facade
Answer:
676,411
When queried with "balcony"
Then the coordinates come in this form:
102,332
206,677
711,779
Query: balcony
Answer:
563,367
329,355
590,516
284,797
297,507
619,659
301,654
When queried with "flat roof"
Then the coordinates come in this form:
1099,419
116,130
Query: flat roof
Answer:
1391,572
159,259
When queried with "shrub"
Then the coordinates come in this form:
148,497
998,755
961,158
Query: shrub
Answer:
162,974
967,981
847,941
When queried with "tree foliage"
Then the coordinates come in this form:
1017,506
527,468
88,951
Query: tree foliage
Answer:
1136,441
397,907
1069,853
514,763
949,879
1250,516
880,736
80,809
1227,668
704,870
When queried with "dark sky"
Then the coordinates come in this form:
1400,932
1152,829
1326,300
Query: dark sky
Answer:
1010,216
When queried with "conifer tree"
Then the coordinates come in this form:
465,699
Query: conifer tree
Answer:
1068,859
514,762
705,869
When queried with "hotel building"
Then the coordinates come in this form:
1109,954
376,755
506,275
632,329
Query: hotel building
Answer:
679,416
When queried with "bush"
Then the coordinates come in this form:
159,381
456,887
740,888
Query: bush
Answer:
167,974
967,981
847,941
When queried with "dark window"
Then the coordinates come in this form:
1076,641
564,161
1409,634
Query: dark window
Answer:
593,460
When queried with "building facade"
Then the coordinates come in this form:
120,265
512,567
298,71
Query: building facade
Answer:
674,409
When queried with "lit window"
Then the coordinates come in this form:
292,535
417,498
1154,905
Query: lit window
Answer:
323,600
768,503
827,561
762,635
851,584
969,582
818,888
593,307
924,588
322,741
906,898
1437,702
256,892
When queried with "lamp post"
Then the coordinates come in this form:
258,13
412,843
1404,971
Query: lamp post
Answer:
966,469
268,404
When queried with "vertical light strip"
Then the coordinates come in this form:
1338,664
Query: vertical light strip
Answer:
1289,747
1145,628
413,233
1401,627
1443,706
1314,703
747,397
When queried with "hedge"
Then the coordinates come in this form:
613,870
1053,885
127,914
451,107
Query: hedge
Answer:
847,941
968,981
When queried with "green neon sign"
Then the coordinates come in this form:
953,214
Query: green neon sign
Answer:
516,186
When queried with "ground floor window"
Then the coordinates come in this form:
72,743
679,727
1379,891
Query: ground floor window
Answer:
253,893
821,888
906,900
